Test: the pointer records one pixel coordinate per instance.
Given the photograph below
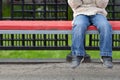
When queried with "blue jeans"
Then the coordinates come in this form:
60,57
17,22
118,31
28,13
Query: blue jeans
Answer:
80,25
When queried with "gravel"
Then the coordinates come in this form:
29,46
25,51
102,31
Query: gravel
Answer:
58,71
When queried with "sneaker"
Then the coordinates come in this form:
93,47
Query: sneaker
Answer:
107,61
76,60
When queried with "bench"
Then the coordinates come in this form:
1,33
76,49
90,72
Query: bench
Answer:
47,27
12,35
45,35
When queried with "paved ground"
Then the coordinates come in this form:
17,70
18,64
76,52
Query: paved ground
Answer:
58,71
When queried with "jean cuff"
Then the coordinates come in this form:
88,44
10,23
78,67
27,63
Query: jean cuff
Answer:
106,54
75,53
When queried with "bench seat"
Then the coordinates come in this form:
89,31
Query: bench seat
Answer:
47,27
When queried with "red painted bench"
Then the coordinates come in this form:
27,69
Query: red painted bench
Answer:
27,40
47,27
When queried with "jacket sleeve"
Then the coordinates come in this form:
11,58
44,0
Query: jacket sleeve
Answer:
102,3
74,3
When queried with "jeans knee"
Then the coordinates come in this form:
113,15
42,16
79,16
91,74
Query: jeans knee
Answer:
80,25
105,27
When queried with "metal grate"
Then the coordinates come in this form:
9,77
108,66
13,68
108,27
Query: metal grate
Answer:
48,10
93,42
33,41
116,42
113,10
39,10
0,9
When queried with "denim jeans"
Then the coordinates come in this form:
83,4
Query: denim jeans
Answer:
80,25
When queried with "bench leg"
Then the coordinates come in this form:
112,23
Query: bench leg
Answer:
87,58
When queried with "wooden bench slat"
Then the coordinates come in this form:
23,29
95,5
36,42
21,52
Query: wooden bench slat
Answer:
46,25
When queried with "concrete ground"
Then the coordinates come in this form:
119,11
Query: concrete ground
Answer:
58,71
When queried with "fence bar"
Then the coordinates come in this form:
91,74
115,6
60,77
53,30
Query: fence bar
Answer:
0,9
11,17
